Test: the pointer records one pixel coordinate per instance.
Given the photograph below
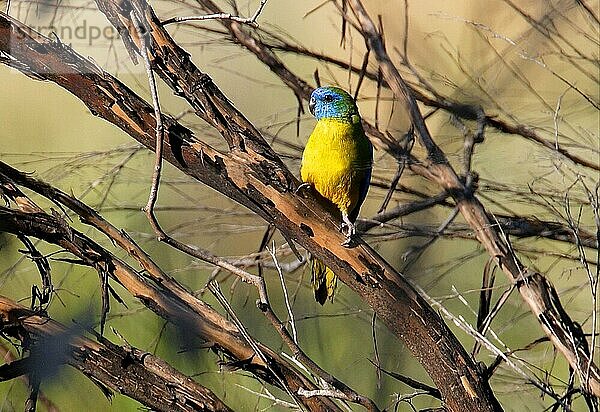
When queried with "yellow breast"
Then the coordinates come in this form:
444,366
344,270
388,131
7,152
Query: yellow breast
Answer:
333,161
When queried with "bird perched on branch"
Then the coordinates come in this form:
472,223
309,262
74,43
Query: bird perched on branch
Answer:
337,163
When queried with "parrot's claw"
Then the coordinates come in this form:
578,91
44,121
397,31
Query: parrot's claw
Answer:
348,229
303,189
349,242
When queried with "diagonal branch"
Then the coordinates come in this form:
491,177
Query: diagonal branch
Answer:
254,176
120,369
186,312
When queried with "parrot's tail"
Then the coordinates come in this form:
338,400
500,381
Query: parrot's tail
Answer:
323,280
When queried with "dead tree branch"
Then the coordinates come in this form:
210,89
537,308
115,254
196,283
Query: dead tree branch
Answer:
120,369
252,174
165,297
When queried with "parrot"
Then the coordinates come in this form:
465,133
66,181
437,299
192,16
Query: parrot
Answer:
336,162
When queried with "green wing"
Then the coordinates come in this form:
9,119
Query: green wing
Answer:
366,167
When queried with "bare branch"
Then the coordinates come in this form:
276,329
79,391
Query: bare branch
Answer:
301,219
251,21
168,299
536,290
120,369
160,130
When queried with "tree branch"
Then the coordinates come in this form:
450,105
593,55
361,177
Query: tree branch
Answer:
166,298
253,175
120,369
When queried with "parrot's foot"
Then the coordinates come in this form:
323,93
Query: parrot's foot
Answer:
349,242
303,189
348,229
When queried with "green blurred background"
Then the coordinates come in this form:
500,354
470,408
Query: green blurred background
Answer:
455,44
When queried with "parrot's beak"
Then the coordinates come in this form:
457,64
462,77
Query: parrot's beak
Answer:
311,105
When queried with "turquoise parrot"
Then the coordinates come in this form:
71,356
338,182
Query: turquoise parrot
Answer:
337,163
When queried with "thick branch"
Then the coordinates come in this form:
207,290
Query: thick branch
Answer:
120,369
198,318
262,185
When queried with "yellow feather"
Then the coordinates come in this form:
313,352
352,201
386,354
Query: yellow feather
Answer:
323,280
334,161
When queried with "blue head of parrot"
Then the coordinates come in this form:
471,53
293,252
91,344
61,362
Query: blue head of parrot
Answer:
330,102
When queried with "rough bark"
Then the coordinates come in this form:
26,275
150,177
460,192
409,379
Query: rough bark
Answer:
120,369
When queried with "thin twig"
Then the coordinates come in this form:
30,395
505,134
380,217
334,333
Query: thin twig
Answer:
429,390
251,21
376,349
160,131
285,293
216,291
331,393
270,396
